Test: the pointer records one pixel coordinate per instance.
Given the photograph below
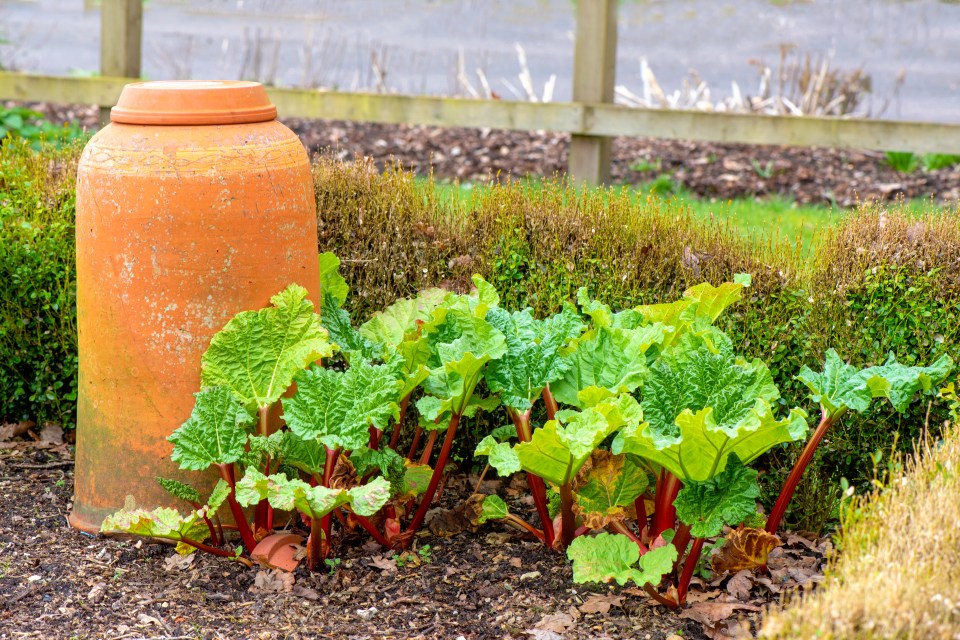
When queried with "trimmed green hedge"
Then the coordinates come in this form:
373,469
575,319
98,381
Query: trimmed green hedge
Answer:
882,282
38,323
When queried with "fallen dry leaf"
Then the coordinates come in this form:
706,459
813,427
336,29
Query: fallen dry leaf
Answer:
745,548
543,634
51,434
710,613
740,584
384,563
12,430
600,604
177,562
794,539
274,581
556,622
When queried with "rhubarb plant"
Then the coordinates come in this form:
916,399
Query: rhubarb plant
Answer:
840,388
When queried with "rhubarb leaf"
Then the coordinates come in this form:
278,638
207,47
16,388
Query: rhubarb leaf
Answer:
213,434
500,456
308,456
162,522
605,489
841,386
401,320
219,495
493,508
728,498
614,359
462,345
388,462
337,407
702,406
257,353
341,332
286,494
532,360
607,557
331,282
180,490
558,450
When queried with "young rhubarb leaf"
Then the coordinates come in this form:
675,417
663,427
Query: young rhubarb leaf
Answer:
162,522
607,557
532,360
257,353
605,489
493,508
341,332
337,407
559,449
315,502
728,498
500,455
180,490
331,282
462,345
401,321
840,386
701,407
214,433
613,358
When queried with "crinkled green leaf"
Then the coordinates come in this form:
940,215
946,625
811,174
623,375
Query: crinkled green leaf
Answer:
273,445
703,406
504,433
257,353
162,522
841,386
341,332
219,495
396,324
493,508
613,358
500,455
475,404
337,407
607,557
331,282
532,359
214,433
388,462
558,450
606,491
416,478
308,456
728,498
180,490
369,498
462,346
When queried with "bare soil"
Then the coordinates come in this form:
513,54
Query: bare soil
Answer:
56,582
841,178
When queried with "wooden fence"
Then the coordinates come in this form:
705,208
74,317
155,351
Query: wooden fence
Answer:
591,119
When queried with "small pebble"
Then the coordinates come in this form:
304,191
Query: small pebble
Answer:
366,614
532,575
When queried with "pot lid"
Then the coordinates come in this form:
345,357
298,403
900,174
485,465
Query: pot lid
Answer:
193,102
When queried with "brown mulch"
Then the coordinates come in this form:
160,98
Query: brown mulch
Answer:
721,171
56,582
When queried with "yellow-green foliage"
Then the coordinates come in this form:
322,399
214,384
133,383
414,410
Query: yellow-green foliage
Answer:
898,575
38,329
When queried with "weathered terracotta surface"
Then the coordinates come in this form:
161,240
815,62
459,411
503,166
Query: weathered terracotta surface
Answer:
179,227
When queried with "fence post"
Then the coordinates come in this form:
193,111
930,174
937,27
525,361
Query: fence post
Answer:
594,73
121,29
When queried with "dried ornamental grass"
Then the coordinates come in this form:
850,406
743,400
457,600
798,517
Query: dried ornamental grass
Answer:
898,574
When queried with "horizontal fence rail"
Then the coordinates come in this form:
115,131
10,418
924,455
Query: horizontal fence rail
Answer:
567,117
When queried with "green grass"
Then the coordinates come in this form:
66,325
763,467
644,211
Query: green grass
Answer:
760,219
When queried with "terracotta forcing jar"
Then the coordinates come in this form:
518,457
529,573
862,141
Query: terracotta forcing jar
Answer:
192,205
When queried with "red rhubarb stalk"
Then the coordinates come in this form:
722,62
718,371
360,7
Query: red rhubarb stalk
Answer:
688,570
395,436
428,448
240,518
790,486
537,487
435,477
665,514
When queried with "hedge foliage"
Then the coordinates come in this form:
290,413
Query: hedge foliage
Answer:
881,282
38,321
